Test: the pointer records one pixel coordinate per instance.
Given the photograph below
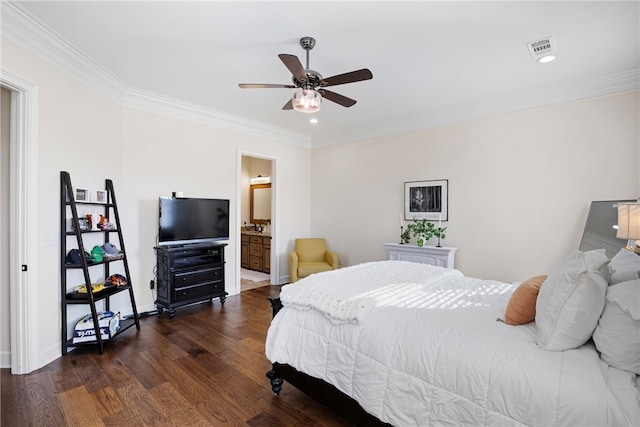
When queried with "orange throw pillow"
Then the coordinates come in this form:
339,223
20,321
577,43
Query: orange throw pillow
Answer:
521,308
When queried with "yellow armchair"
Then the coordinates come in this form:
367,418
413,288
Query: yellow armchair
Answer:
310,256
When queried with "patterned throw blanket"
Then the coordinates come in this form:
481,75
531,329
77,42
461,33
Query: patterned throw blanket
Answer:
348,294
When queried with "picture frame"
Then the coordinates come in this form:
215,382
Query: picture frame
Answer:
100,196
81,194
426,200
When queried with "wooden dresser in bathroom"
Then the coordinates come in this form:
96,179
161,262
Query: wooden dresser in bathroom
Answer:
256,251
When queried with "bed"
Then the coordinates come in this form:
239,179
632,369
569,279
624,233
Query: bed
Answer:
407,344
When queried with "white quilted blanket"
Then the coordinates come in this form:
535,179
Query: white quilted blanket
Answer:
432,353
347,295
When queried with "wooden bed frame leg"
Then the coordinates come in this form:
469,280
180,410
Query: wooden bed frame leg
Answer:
273,375
276,381
276,305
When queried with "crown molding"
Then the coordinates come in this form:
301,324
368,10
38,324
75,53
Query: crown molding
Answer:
599,86
160,104
29,34
24,31
19,28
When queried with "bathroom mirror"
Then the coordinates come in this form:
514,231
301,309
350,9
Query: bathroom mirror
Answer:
601,227
260,203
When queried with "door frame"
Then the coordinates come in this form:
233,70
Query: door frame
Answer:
275,265
23,263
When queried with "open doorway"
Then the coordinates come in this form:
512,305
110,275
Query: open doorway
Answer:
5,188
256,225
20,264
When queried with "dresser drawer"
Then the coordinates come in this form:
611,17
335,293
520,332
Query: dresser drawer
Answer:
196,277
255,263
197,291
256,239
255,250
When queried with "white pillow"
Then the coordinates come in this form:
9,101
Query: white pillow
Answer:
624,266
596,258
571,301
617,336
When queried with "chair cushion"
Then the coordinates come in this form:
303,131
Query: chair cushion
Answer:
311,249
310,267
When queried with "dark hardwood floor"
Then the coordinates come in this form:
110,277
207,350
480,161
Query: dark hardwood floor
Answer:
204,367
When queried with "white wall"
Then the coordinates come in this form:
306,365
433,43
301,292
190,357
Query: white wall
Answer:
158,157
146,155
519,183
79,131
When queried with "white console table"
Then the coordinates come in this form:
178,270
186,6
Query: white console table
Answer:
440,257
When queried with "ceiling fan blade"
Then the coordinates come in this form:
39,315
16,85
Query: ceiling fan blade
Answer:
337,98
294,65
264,86
351,77
288,106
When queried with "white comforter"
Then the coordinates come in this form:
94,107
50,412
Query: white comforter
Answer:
418,345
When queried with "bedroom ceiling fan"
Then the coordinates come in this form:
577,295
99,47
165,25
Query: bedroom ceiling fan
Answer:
310,84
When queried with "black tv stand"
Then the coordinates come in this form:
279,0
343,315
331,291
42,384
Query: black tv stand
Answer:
189,274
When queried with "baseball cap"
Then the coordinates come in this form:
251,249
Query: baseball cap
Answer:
97,254
110,248
74,256
117,280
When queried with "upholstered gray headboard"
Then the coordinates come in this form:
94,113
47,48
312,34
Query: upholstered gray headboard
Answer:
601,226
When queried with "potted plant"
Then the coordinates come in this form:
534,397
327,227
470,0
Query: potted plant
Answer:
422,230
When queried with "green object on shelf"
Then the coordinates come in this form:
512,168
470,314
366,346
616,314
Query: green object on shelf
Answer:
97,254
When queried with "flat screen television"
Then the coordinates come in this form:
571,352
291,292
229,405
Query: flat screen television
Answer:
191,220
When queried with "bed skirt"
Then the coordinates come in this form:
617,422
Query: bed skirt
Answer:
323,393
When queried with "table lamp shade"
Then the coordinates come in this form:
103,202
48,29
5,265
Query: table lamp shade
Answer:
628,221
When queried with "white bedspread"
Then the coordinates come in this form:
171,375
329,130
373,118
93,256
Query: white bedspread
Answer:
347,295
433,353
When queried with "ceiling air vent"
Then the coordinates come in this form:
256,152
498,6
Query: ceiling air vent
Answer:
541,49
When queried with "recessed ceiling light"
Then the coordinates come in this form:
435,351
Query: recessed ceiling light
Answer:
543,50
546,58
314,121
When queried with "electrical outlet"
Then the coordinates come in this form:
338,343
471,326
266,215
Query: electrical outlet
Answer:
152,284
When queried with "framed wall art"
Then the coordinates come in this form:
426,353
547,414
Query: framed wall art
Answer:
100,196
426,200
81,194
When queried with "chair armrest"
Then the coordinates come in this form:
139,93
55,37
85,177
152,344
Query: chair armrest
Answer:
293,267
332,258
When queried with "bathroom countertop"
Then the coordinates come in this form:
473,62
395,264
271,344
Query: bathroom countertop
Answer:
256,233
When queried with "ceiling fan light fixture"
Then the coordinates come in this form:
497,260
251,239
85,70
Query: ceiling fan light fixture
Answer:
310,85
306,101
